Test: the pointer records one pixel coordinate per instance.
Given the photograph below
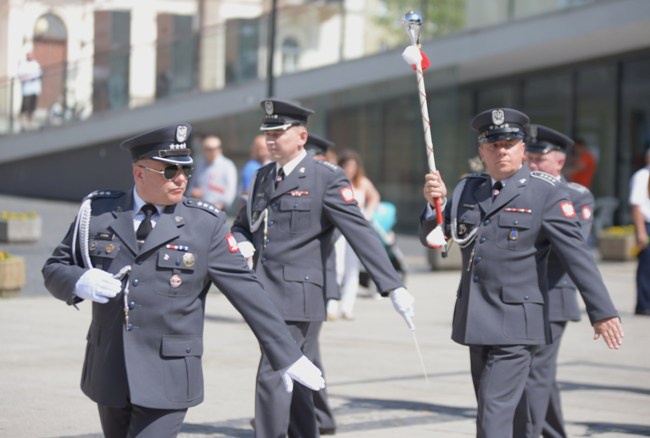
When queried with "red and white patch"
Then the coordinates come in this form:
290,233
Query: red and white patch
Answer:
347,194
567,209
586,213
232,243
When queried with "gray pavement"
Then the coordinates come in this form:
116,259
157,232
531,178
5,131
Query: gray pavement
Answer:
375,381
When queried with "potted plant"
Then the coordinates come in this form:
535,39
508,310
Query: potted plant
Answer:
617,243
12,274
20,227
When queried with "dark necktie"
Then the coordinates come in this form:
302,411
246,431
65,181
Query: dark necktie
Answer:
279,177
145,226
496,188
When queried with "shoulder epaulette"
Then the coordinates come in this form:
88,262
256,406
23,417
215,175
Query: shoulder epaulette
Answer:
544,177
331,166
104,194
578,187
197,203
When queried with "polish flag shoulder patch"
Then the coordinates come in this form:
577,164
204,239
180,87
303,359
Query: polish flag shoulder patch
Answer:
232,243
567,209
586,213
347,194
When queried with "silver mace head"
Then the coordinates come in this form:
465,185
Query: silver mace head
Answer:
412,24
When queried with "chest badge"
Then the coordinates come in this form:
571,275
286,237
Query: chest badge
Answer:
188,259
514,235
109,248
175,281
462,229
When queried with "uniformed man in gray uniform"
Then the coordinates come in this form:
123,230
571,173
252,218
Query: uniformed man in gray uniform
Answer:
146,259
294,206
505,222
546,151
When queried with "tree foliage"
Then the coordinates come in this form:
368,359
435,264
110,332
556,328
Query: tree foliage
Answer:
440,17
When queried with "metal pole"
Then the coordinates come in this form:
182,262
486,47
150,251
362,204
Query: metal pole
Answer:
270,85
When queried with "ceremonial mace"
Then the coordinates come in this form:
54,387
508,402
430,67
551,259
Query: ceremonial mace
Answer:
412,25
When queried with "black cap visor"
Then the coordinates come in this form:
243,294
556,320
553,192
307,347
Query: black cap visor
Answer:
492,136
543,147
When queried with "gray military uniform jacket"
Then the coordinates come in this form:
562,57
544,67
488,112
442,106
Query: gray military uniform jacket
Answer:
562,298
294,242
502,297
156,361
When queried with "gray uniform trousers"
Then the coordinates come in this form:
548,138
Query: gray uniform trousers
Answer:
271,398
136,421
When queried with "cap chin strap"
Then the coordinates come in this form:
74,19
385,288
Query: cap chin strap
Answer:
279,127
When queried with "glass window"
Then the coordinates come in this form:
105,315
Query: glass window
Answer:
635,122
290,55
495,96
547,100
596,121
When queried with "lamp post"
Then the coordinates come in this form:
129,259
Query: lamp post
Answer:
270,79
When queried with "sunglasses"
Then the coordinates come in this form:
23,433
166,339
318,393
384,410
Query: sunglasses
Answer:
170,172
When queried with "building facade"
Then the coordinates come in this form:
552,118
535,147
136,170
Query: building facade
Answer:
581,67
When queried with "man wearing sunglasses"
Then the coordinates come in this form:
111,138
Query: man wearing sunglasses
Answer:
295,204
146,260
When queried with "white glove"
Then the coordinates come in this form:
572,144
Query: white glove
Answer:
247,250
412,55
97,285
305,372
403,303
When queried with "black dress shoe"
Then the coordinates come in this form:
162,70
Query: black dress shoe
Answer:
642,312
327,430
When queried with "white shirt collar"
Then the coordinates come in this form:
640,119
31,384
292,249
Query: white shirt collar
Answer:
291,165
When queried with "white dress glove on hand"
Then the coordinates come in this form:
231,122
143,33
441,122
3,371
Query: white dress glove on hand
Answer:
403,302
305,372
97,285
247,250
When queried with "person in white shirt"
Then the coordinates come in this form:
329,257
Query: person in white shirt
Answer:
29,73
216,180
640,208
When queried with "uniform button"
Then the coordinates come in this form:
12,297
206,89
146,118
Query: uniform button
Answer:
475,279
271,223
482,239
188,349
486,222
129,327
306,277
263,259
295,205
515,223
267,241
526,298
132,305
139,262
135,282
478,259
